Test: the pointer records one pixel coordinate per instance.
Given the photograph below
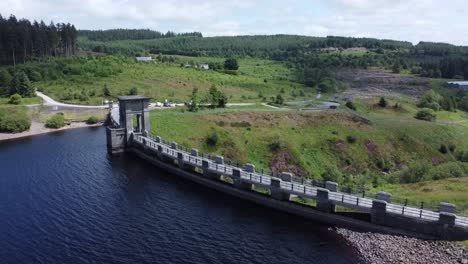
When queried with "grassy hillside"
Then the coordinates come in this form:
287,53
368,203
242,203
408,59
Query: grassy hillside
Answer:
319,145
256,79
433,192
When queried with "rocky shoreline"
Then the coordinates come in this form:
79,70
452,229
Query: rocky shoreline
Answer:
382,249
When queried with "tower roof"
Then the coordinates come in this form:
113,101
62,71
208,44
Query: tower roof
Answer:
133,97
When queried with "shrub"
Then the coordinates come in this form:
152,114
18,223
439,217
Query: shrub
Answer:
350,105
350,139
416,171
462,156
55,121
426,115
212,139
332,174
443,149
449,170
452,147
279,100
275,146
133,91
231,64
14,119
92,120
15,99
382,102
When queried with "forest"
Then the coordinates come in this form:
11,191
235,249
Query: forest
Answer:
22,40
435,60
131,34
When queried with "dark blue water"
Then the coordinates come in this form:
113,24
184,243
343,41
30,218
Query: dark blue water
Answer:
64,200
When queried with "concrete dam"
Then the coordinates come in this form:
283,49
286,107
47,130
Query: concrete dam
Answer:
367,214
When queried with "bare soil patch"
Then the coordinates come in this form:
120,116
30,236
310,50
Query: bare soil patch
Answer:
371,83
296,120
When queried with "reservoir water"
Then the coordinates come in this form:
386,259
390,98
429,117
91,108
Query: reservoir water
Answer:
64,200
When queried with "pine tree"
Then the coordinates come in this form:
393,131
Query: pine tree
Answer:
382,102
106,91
21,85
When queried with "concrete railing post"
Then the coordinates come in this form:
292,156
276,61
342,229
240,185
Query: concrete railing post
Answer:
378,211
447,219
323,202
219,159
173,145
249,167
447,208
194,152
238,182
180,159
159,153
445,225
276,192
331,186
206,171
236,173
384,196
286,176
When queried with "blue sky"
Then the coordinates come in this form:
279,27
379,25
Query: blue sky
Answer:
412,20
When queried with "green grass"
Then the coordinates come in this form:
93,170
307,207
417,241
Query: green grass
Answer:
316,141
14,119
433,192
24,101
256,79
407,111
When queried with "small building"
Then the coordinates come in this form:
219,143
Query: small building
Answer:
141,59
204,66
460,85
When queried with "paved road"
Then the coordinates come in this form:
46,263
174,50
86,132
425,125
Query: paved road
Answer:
51,102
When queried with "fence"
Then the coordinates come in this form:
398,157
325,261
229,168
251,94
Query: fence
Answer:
310,189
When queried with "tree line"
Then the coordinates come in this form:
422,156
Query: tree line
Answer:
131,34
279,47
21,40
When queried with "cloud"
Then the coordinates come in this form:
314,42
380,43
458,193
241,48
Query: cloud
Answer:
413,20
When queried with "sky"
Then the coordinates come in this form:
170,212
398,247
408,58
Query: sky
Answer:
411,20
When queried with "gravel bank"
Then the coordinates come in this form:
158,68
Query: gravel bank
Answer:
382,249
38,128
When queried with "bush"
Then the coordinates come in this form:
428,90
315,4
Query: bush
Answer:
133,91
212,139
382,102
449,170
350,139
275,146
55,121
452,147
416,171
332,174
14,119
15,99
426,115
350,105
443,149
231,64
92,120
279,100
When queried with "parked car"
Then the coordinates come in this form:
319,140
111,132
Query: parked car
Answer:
169,104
